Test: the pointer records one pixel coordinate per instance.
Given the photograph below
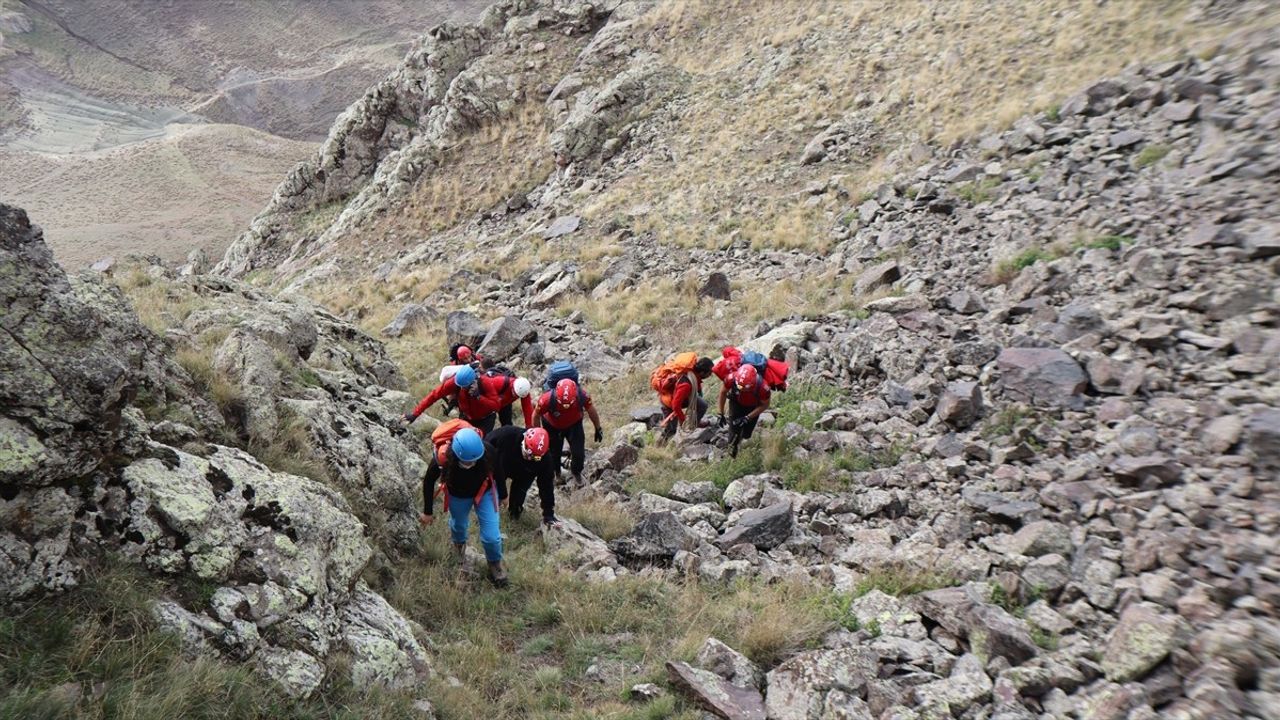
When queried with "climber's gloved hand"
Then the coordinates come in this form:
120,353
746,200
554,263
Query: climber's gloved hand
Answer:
599,434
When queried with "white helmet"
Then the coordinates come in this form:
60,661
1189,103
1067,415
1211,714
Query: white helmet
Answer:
522,387
448,371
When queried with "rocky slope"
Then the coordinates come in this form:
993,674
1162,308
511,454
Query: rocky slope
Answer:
104,451
1075,352
1091,431
1038,475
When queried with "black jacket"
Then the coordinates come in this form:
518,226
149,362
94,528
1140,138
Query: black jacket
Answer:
511,464
462,482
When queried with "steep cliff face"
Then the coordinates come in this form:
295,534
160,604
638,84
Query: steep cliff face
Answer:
108,446
455,81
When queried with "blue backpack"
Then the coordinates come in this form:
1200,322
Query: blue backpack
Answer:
558,371
756,360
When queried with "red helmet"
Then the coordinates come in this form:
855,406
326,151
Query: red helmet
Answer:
536,442
746,377
566,392
464,354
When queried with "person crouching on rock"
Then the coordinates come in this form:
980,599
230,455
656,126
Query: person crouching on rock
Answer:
521,460
467,474
748,399
560,411
477,397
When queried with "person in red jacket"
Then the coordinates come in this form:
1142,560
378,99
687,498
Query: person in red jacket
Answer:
684,389
511,389
561,411
748,398
477,397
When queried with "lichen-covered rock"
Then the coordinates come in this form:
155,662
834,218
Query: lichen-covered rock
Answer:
577,547
719,696
798,688
729,664
1144,636
73,358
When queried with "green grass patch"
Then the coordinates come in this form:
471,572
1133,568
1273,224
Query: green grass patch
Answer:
804,403
1150,155
899,582
524,651
1003,422
978,191
1006,270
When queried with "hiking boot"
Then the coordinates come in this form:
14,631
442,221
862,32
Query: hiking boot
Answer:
578,481
460,555
498,574
550,521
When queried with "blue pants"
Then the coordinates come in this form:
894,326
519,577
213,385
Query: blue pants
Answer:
486,514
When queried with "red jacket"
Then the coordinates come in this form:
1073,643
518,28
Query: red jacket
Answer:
751,397
680,397
507,395
470,407
560,418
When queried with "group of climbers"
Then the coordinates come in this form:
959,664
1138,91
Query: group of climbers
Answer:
474,462
747,383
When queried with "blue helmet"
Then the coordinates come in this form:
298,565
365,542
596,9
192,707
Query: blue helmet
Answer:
465,377
467,445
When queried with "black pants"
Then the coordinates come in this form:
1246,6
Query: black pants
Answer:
670,428
484,424
545,477
504,416
577,438
738,411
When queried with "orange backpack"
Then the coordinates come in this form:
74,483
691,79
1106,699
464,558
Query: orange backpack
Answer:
443,435
664,377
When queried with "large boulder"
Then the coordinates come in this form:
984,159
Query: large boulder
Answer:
655,539
411,317
1042,376
766,528
784,337
729,664
802,687
505,336
286,553
577,547
463,327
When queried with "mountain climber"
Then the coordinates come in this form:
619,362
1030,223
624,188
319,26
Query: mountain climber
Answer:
748,397
477,397
560,411
679,386
521,459
511,389
467,473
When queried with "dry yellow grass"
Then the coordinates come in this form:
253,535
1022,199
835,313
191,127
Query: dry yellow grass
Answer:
942,71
